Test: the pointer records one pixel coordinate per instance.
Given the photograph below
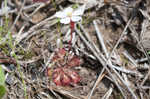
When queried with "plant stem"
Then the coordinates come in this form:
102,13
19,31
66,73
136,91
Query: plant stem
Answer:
72,30
12,46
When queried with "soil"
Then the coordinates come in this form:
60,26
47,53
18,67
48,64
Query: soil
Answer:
35,33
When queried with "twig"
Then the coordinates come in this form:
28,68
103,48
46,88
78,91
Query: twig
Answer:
146,54
107,62
108,93
122,34
40,6
18,15
134,31
141,60
31,31
100,77
24,9
19,35
145,14
101,60
101,41
89,39
126,54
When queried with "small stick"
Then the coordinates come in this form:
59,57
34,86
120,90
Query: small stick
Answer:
106,62
134,31
126,54
101,60
101,40
108,93
100,77
22,6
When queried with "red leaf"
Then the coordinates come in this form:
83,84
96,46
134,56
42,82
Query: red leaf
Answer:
55,58
75,78
57,76
57,80
66,79
59,55
61,52
75,61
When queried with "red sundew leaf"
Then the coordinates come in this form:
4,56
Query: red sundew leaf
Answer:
59,55
65,79
49,72
61,52
57,80
55,58
75,61
40,1
65,76
56,72
75,78
57,76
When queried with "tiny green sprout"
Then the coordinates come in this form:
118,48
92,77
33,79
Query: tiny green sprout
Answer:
58,20
75,6
148,52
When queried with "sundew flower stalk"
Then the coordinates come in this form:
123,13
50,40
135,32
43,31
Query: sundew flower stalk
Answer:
70,16
72,24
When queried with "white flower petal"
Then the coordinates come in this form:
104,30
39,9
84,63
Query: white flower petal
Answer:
76,18
59,43
4,10
68,10
80,10
60,14
65,20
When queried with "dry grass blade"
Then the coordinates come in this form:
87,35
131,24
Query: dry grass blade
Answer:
143,49
109,92
24,8
100,37
64,92
126,54
110,43
20,12
100,77
122,34
100,59
107,62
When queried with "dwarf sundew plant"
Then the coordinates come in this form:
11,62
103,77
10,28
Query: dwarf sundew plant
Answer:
62,72
70,16
64,60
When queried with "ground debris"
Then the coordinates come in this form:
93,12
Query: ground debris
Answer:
108,56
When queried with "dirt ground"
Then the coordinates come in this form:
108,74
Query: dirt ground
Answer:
107,59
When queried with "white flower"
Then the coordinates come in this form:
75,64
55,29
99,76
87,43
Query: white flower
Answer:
69,14
4,9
